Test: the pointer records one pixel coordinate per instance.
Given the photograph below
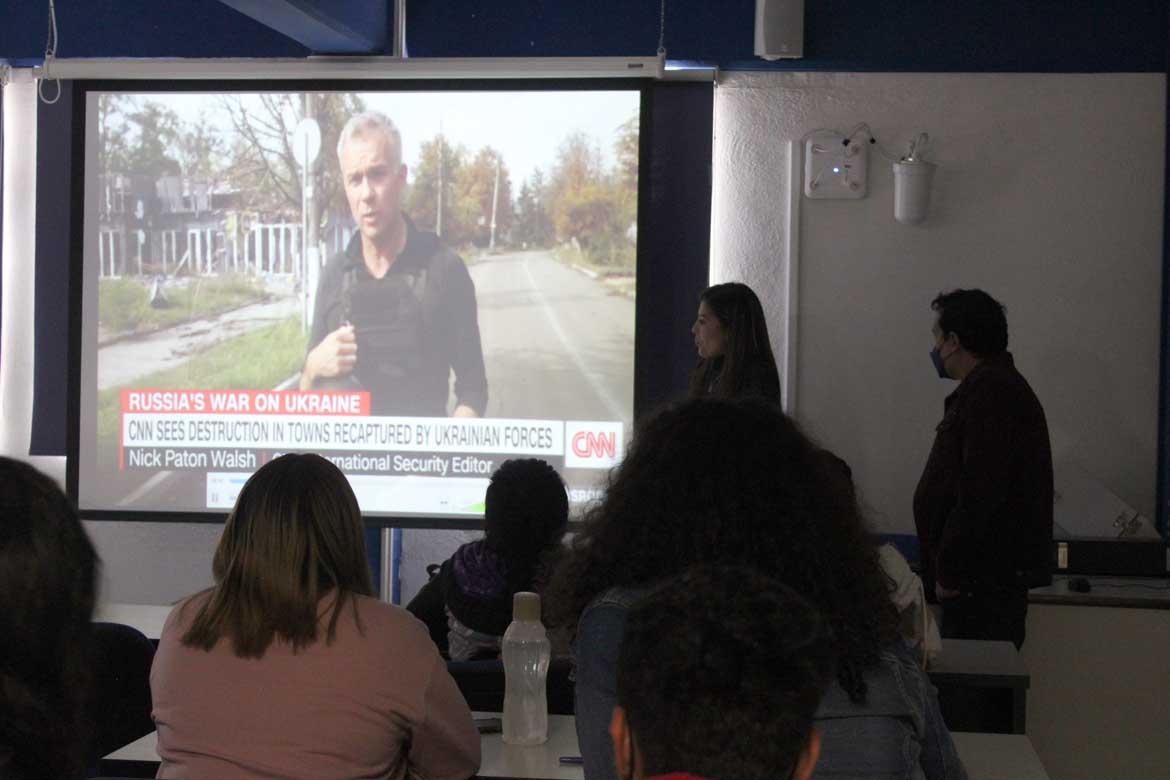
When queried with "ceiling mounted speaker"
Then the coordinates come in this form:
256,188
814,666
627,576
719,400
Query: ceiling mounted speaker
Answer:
779,29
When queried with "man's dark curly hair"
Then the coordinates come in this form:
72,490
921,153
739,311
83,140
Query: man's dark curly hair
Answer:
47,583
723,656
526,511
734,482
976,318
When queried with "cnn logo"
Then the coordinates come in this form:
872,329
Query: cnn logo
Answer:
587,444
593,445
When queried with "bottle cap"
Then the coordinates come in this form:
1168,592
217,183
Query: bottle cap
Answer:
526,606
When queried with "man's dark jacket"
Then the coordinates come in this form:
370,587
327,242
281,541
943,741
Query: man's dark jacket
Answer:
413,326
983,507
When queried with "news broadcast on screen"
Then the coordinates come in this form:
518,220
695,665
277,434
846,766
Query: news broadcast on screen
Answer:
416,284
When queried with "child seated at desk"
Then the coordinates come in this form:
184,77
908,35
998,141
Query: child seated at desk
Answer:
467,604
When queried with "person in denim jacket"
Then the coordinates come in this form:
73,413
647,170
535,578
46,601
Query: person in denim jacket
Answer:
720,482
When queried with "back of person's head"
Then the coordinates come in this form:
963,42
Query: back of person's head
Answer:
47,571
976,318
720,674
734,482
526,511
747,356
294,535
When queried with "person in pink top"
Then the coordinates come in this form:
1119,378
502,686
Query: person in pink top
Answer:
289,667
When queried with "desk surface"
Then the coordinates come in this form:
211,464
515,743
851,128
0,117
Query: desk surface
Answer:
980,663
986,756
1127,592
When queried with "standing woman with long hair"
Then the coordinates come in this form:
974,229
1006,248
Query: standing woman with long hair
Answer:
288,667
735,354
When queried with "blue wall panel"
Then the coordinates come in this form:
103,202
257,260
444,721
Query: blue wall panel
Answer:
909,35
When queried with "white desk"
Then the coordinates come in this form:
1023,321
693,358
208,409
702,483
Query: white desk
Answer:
147,618
540,762
976,663
142,749
998,756
986,756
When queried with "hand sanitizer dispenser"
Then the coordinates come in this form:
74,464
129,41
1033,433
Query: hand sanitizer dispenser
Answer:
912,178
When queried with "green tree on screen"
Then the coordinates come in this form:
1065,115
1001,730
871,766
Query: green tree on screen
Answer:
533,225
476,187
440,165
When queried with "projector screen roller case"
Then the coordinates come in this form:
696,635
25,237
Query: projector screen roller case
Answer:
417,284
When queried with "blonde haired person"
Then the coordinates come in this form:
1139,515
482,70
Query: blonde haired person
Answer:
288,667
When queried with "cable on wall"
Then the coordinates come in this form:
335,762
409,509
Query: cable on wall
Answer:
662,30
50,55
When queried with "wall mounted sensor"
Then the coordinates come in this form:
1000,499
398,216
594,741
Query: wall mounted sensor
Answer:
834,165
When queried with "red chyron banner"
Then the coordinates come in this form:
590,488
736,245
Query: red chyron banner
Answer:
331,402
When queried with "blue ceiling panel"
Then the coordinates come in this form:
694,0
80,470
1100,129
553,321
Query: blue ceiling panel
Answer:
908,35
137,28
531,28
324,26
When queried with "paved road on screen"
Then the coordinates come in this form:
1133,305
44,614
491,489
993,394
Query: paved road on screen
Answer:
557,344
125,361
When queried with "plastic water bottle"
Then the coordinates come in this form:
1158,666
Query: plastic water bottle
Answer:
525,650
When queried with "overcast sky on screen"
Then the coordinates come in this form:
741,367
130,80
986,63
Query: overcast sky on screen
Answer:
526,127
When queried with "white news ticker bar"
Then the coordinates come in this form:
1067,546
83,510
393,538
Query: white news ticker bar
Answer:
378,493
343,433
358,68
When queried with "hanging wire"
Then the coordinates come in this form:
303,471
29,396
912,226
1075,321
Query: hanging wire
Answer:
864,128
662,29
916,146
50,55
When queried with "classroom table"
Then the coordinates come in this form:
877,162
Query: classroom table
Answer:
964,663
988,665
986,756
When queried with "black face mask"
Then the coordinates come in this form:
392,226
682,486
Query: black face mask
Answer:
939,363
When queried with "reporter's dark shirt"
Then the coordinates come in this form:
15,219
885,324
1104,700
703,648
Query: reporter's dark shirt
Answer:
444,336
983,507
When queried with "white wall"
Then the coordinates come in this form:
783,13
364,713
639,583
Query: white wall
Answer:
1048,195
153,563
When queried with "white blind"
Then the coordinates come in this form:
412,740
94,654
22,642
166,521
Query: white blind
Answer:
17,262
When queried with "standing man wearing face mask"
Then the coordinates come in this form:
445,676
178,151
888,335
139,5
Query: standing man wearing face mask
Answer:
983,507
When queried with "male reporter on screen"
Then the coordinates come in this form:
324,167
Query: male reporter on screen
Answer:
395,312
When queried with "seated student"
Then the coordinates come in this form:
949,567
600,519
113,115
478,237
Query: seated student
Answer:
723,482
288,667
468,605
47,570
720,673
916,622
